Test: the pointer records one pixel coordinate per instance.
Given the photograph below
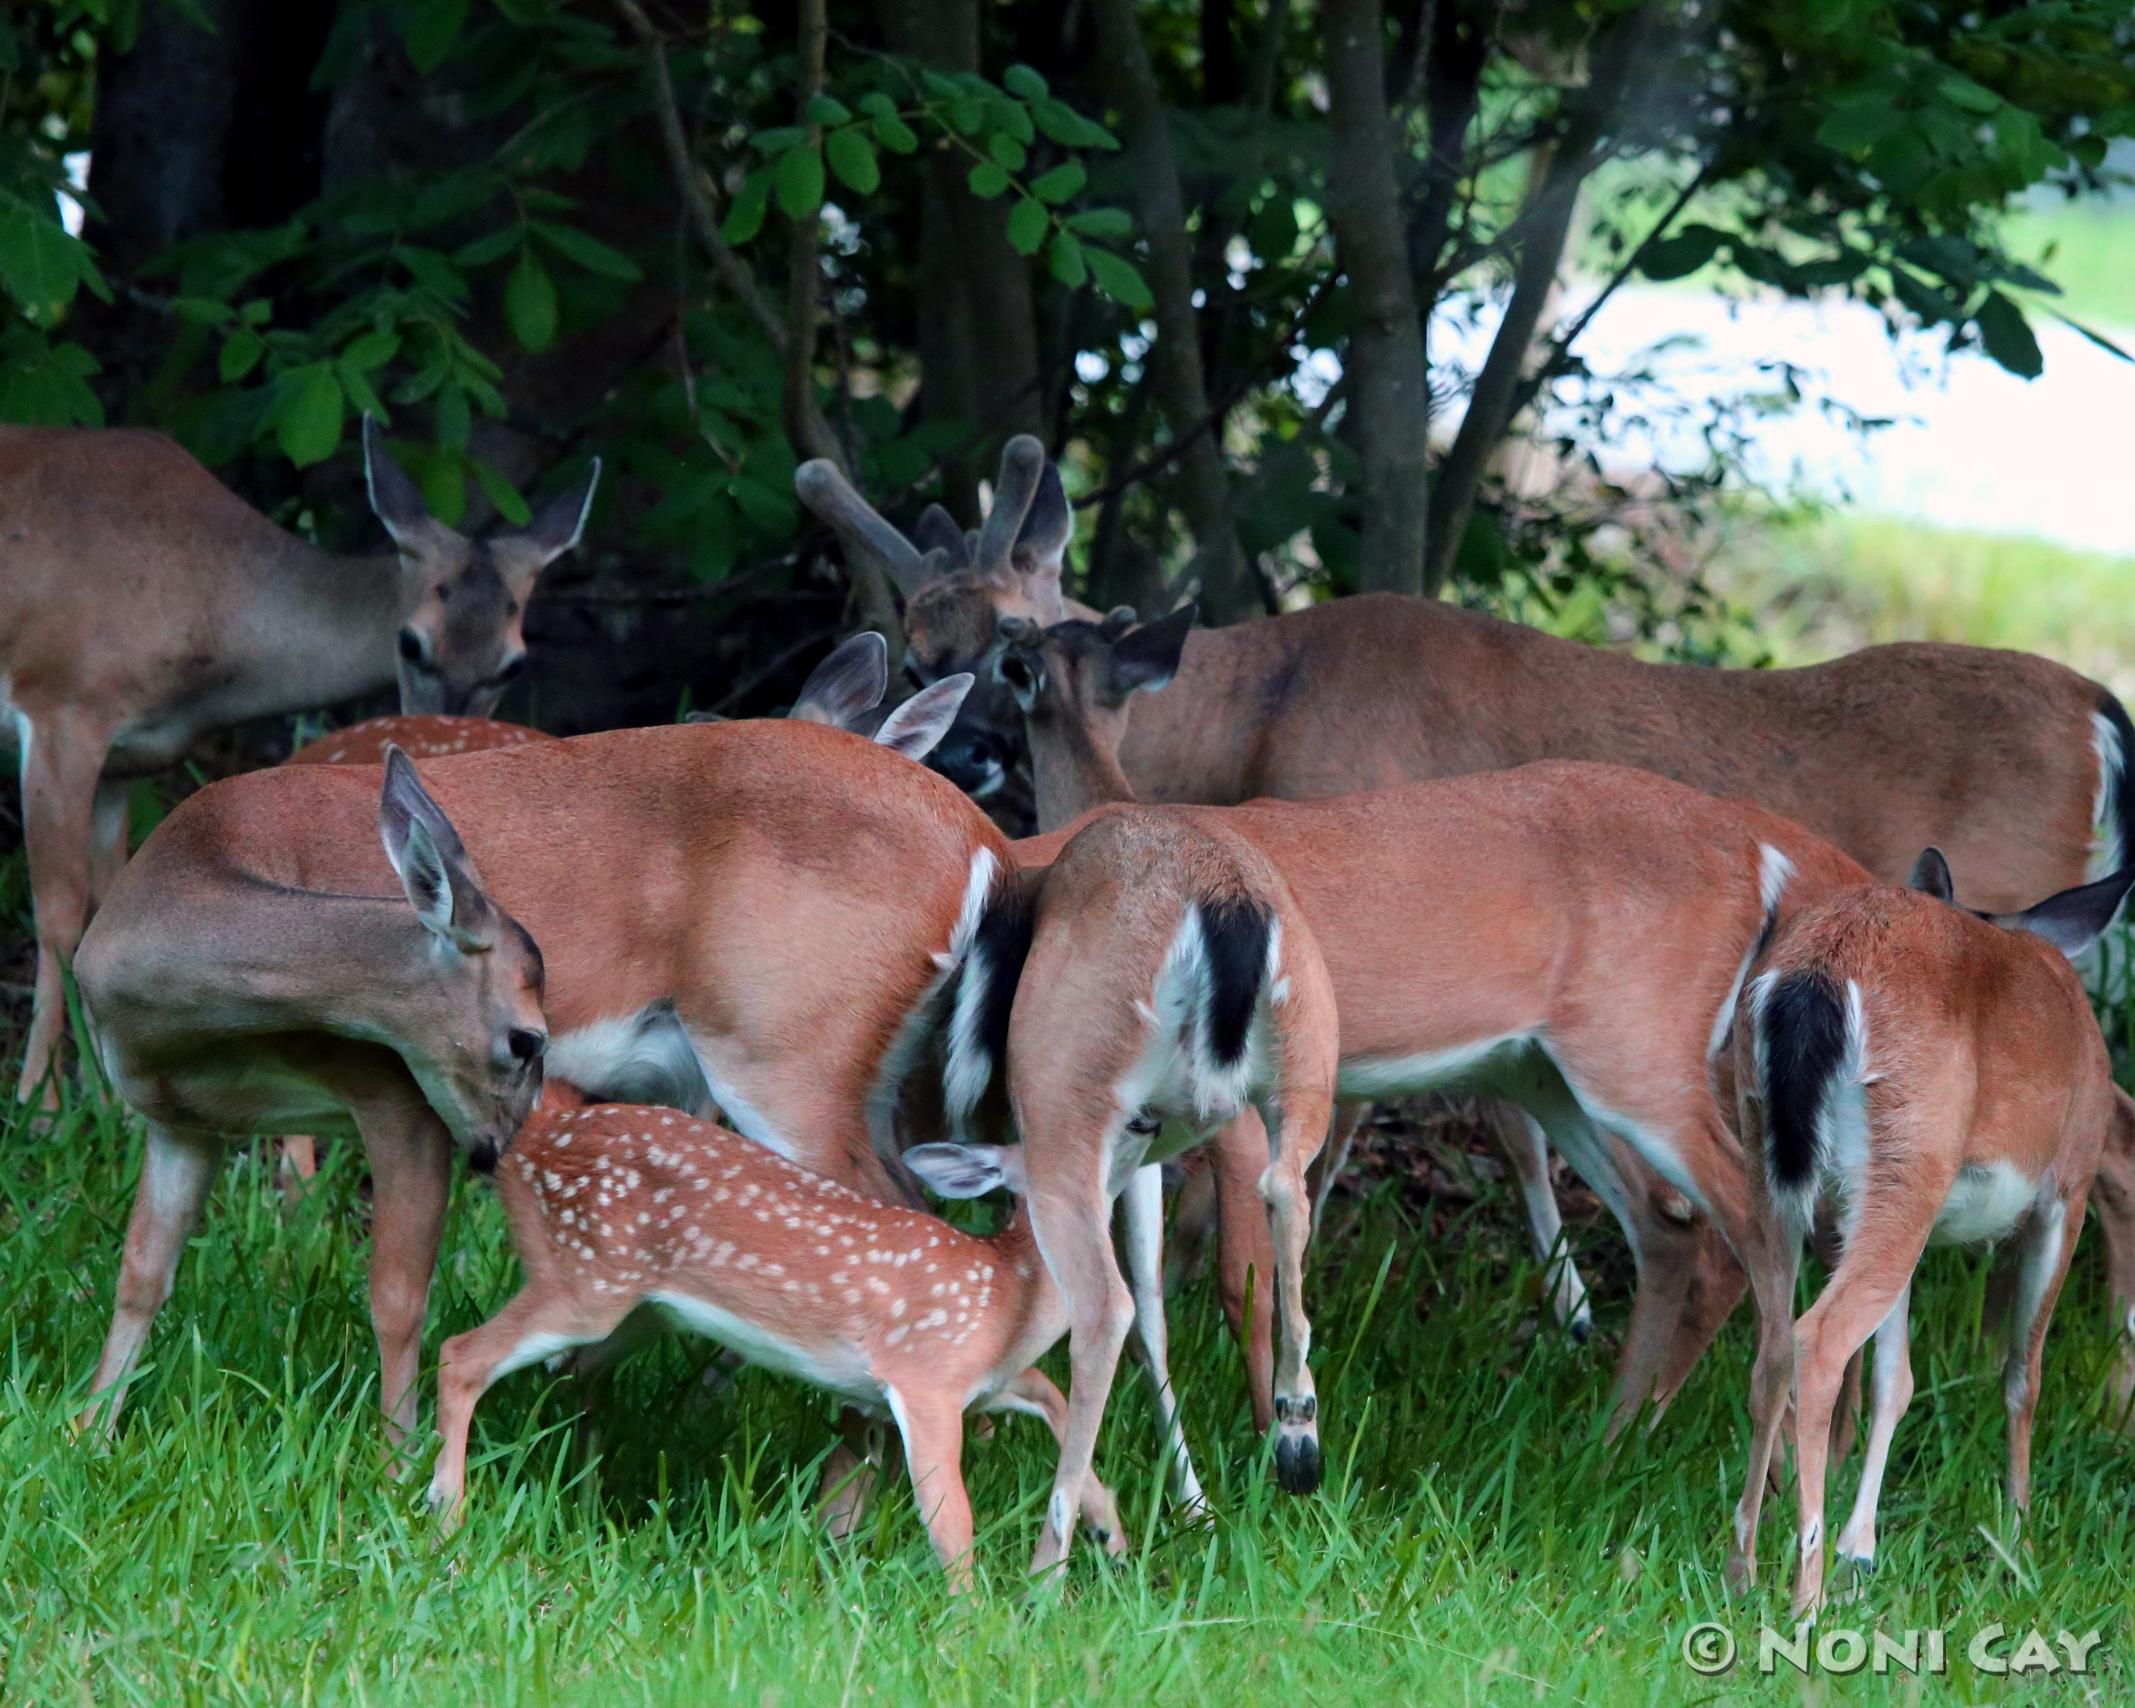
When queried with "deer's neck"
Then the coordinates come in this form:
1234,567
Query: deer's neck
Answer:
313,627
1034,1313
1073,771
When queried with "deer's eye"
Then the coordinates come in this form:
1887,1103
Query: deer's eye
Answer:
526,1045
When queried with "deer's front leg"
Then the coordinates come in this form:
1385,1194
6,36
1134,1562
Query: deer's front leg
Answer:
411,1178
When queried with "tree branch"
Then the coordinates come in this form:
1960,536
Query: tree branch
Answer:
1181,388
1390,394
1547,220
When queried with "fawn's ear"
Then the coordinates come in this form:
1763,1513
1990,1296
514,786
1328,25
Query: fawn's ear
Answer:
967,1171
915,728
1931,876
2075,919
1144,659
849,682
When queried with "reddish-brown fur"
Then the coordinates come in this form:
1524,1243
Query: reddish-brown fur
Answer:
786,885
143,604
617,1208
1981,1053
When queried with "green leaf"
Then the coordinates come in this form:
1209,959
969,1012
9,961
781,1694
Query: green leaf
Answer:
1678,256
1116,222
1024,80
481,251
746,217
852,158
1009,152
372,350
778,139
799,177
967,116
1068,127
452,422
1062,182
894,134
530,303
2005,336
587,251
1070,263
502,494
1116,277
433,272
826,110
307,415
1028,223
1973,97
361,398
878,105
41,266
429,28
988,180
240,354
1858,126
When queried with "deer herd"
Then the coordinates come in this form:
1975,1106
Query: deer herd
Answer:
1767,957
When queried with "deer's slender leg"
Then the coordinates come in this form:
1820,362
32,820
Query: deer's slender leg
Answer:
60,767
1892,1393
933,1429
1034,1392
2049,1242
1526,1150
107,838
1772,1258
1068,1217
1297,1128
1245,1260
177,1171
1875,1270
1141,1218
411,1177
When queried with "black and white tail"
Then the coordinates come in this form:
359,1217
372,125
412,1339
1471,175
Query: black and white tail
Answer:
1811,1042
983,995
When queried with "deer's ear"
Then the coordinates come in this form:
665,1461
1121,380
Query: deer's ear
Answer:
915,728
936,531
967,1171
2075,919
395,499
1931,876
1146,658
847,684
427,856
560,523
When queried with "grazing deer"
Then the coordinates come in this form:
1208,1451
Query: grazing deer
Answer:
1570,937
143,604
963,594
1919,1072
232,990
617,1209
1168,976
800,894
841,691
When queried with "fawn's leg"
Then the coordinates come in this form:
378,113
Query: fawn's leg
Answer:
1068,1217
1141,1217
1327,1167
1892,1393
1033,1392
532,1326
933,1429
177,1171
1772,1257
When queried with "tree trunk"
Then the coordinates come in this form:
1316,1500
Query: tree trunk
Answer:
1228,590
1389,393
978,327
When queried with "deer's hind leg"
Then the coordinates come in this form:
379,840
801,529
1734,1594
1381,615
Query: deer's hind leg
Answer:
62,760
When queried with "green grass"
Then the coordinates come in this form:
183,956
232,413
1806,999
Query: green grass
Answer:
1826,584
241,1540
2086,249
